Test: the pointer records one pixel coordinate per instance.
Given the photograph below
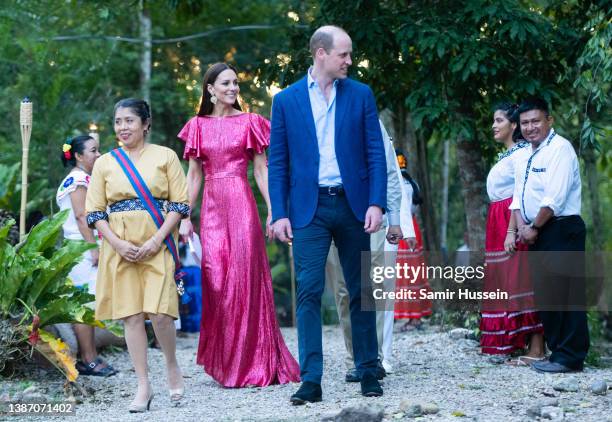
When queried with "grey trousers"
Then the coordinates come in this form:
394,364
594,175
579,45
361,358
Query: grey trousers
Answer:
333,273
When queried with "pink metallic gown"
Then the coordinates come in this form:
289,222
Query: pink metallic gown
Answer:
240,340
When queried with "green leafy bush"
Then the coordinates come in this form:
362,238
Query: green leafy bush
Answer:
10,191
36,291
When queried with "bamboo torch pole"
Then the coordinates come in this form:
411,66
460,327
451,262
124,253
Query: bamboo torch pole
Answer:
25,119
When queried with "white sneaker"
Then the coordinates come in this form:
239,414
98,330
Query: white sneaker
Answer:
388,367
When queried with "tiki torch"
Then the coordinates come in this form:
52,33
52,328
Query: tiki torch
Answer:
25,119
93,131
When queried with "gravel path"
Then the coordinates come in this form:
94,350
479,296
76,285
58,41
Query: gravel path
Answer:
431,368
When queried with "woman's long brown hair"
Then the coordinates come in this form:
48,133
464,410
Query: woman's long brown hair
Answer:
206,106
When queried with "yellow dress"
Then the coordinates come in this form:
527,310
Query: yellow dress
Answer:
126,288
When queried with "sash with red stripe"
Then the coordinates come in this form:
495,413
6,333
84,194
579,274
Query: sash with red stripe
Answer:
148,200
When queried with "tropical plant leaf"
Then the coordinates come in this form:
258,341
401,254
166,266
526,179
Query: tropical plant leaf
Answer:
60,264
60,310
58,353
45,234
114,327
4,230
21,268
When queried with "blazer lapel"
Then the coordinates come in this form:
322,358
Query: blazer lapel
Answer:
342,100
302,100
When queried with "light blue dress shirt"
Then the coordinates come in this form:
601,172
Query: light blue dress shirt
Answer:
324,114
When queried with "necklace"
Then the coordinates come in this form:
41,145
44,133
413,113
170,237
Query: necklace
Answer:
83,169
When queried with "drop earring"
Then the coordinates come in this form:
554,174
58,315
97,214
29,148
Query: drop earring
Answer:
213,99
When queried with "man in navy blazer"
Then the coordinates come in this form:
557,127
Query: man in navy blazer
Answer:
327,180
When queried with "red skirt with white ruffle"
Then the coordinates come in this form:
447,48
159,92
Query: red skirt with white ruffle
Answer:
412,308
506,325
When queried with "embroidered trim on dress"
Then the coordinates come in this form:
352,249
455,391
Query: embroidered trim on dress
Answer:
179,207
511,151
92,217
134,204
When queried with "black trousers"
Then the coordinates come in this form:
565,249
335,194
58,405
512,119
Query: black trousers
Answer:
559,287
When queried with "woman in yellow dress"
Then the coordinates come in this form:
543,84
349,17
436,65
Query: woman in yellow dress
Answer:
136,270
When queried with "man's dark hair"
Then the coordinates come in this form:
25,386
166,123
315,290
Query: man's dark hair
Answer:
533,103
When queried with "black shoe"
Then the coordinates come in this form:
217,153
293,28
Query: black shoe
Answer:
370,387
352,375
308,392
552,367
380,371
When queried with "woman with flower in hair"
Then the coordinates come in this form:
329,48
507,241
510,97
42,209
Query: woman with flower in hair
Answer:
240,340
410,252
507,325
80,153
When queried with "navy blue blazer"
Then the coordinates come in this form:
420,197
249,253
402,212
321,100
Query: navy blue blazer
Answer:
293,164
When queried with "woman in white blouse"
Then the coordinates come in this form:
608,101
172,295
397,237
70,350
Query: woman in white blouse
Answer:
507,326
79,154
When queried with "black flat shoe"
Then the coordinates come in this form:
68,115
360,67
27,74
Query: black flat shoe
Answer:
308,392
552,367
97,368
370,387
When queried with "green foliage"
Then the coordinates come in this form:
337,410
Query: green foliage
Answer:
10,190
8,184
592,77
35,275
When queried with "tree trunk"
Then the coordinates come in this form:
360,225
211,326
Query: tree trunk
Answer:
471,173
592,179
430,222
444,205
415,148
145,58
598,231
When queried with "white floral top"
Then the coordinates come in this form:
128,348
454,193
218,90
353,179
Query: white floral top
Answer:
74,179
500,181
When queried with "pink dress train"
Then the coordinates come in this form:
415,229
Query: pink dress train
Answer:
240,340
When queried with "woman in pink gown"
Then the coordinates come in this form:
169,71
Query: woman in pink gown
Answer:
240,340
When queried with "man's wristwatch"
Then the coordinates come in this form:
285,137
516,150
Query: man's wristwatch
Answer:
534,227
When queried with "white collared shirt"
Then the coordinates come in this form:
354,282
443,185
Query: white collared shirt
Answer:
324,114
547,177
500,180
394,179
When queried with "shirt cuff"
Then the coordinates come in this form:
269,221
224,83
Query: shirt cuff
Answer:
548,202
95,216
393,218
514,205
181,208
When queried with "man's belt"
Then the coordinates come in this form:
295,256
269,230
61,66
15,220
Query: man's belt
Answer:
332,190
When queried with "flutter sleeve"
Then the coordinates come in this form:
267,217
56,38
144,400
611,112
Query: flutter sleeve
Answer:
191,134
96,201
258,135
71,183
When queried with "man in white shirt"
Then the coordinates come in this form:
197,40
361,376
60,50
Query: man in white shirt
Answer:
383,245
546,203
